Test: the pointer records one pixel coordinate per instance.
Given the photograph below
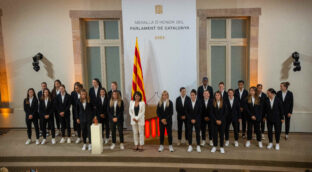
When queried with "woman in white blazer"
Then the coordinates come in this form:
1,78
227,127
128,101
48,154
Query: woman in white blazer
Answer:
137,114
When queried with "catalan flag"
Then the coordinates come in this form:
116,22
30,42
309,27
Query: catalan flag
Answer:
137,76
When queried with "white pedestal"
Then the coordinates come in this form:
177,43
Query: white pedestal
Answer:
96,138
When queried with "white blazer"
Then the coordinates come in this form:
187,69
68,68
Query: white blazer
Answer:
141,115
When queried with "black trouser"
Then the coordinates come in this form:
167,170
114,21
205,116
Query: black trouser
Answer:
86,131
119,125
75,124
57,120
65,124
287,124
218,130
105,124
256,125
162,132
180,125
40,122
277,129
227,128
49,121
204,125
244,122
29,131
262,126
197,132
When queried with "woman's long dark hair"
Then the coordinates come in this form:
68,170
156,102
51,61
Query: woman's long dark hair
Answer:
271,90
54,89
102,88
27,96
49,96
98,81
137,93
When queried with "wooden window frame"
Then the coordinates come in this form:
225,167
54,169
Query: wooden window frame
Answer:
252,59
77,19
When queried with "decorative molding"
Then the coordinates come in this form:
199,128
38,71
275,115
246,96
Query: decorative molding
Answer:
253,15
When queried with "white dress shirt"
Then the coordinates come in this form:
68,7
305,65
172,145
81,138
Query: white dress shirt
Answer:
253,100
284,94
84,104
58,92
96,91
206,102
63,96
165,104
193,104
30,100
115,107
231,101
240,93
102,99
218,103
78,95
272,102
46,102
183,99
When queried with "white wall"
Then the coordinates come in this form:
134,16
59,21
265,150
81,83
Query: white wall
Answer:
33,25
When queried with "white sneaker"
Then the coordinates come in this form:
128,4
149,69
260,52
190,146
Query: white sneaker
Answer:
222,150
211,143
84,147
263,137
179,143
190,148
53,141
106,141
198,149
227,143
37,142
270,145
112,146
78,141
203,143
171,148
247,144
236,143
89,147
122,147
68,140
161,148
260,144
286,136
213,150
43,141
62,140
28,142
277,147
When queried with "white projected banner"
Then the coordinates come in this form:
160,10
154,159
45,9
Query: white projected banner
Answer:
166,31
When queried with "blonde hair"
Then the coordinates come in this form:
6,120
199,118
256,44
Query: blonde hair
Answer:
119,100
87,96
161,101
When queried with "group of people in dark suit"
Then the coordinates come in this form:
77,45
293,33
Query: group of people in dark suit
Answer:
220,110
48,108
202,110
